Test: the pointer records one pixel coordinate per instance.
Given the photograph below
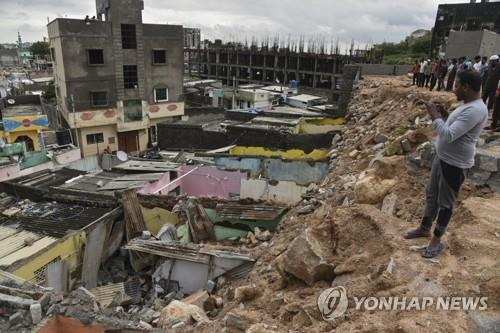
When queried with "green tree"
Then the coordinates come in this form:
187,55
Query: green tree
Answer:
49,91
40,48
422,44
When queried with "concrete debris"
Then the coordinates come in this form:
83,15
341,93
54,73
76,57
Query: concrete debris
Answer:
307,259
406,145
36,313
17,318
246,293
389,204
354,154
390,266
234,321
380,138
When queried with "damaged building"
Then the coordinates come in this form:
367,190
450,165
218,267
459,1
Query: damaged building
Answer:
464,17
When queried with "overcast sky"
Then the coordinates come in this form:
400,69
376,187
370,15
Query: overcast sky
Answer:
364,21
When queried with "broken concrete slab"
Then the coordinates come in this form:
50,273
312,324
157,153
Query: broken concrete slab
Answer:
36,313
307,259
16,302
16,319
489,159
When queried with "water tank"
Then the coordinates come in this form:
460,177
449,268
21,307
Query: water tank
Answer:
63,136
293,84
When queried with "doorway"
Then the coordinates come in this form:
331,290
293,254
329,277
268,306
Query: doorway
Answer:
128,141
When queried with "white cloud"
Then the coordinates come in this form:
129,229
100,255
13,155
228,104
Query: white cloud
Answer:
361,20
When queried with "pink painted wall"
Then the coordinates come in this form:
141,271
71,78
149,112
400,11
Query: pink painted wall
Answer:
204,181
209,181
153,187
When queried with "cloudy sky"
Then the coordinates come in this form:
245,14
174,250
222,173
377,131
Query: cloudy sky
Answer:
365,21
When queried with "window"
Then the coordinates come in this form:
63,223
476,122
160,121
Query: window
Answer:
161,94
132,110
128,36
53,54
95,57
159,57
95,138
130,77
99,98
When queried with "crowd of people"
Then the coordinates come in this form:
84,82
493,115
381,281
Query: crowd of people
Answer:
441,74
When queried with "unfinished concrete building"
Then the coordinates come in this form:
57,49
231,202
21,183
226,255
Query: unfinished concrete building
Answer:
463,17
314,69
116,78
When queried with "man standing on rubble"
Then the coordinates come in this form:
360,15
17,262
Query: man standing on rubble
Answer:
458,133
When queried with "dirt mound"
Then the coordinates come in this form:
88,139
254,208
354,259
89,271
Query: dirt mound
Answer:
368,254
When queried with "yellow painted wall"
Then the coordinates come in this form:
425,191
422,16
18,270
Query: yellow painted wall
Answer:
68,249
292,154
109,131
12,136
320,125
157,217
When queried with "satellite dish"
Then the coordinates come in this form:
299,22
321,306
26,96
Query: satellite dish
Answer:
11,101
122,156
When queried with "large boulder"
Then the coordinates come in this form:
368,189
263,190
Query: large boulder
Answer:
371,189
309,257
180,311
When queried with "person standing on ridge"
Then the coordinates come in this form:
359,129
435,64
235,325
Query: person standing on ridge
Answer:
458,133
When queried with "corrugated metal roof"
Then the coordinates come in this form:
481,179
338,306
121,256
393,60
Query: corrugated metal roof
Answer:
249,212
26,251
16,242
128,292
6,232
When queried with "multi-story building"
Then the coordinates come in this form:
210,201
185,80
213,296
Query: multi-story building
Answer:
317,72
192,37
463,17
116,77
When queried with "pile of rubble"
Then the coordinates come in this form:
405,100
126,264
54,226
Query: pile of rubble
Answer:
345,232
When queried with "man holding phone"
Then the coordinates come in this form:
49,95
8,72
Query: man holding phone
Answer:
458,133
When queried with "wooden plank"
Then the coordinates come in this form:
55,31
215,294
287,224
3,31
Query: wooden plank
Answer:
134,225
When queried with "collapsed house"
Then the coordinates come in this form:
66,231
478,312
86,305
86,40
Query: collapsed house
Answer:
146,232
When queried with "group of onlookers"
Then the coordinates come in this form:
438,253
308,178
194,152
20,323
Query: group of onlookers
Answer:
440,74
